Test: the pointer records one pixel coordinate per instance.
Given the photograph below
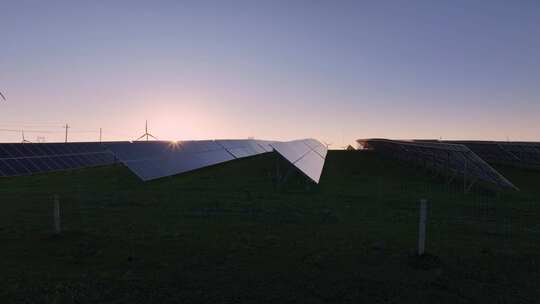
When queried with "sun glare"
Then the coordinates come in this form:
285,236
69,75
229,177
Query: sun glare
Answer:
174,144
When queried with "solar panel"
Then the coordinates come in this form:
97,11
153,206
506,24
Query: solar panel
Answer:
308,155
265,144
155,159
241,148
31,158
441,157
519,154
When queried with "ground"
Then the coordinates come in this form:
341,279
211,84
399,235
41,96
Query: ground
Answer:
228,234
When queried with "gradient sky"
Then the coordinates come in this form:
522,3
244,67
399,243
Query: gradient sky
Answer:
333,70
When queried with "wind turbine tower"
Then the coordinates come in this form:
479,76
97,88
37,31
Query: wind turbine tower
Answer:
24,141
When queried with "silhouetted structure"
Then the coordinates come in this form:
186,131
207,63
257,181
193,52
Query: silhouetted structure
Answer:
451,160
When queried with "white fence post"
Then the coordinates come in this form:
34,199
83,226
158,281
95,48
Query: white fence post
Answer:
422,227
57,227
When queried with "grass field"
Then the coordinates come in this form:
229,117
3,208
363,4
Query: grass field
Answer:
226,234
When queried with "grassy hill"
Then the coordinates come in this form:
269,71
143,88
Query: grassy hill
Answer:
228,234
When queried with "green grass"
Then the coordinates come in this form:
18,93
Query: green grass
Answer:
225,234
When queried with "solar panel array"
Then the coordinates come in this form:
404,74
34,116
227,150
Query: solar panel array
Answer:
156,159
527,153
31,158
489,152
521,154
442,157
308,155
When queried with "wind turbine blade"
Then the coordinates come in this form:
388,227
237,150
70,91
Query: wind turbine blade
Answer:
142,136
3,97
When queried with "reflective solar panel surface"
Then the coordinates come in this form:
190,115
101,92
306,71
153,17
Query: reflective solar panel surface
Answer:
308,155
155,159
31,158
444,157
241,148
265,144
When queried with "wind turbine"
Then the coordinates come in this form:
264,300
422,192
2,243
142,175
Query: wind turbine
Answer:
24,141
3,97
146,134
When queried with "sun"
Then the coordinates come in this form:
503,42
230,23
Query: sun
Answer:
174,144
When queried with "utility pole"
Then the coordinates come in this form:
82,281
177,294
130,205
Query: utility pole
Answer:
67,127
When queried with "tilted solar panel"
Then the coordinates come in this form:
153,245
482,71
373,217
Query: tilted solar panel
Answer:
491,152
308,155
31,158
527,153
155,159
442,157
265,144
513,153
316,146
519,154
241,148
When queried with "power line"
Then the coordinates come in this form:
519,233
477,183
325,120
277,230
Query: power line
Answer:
44,123
82,131
58,128
9,125
29,131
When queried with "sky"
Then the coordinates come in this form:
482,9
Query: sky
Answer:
332,70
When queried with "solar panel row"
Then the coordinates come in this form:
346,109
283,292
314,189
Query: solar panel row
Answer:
155,159
18,150
520,154
149,160
308,155
527,153
493,153
448,158
31,158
